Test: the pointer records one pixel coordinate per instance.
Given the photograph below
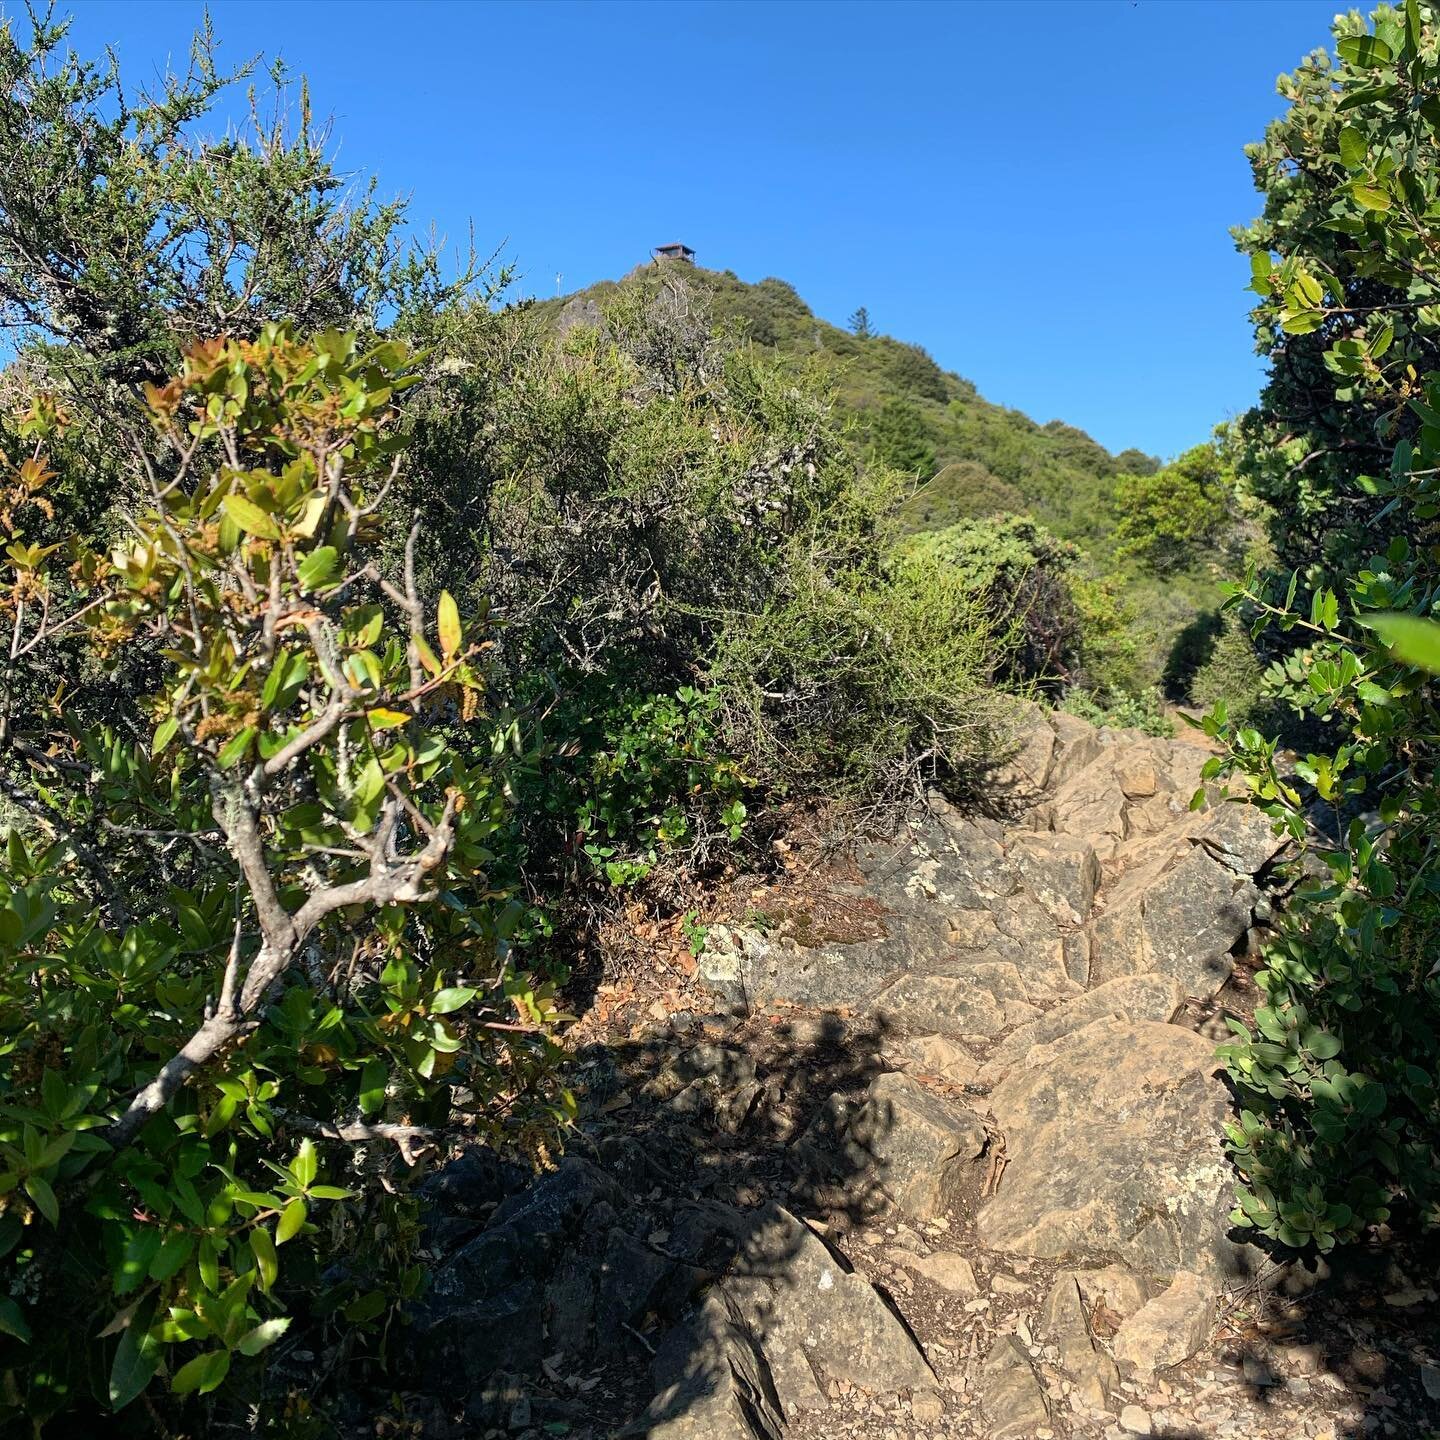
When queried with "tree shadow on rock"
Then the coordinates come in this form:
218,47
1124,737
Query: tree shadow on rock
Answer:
671,1276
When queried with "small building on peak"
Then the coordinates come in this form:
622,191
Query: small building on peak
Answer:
674,251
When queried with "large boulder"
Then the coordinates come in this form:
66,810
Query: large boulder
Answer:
1113,1141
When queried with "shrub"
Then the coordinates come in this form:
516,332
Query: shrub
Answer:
1169,517
255,931
864,687
1337,1077
1021,577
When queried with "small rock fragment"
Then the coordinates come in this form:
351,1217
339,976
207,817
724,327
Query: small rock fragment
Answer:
1167,1330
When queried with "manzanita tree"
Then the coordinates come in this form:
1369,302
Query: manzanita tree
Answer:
1338,1077
252,929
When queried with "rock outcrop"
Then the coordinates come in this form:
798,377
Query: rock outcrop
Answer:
1033,1093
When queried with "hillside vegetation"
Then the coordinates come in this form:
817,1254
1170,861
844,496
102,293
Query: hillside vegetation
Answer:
1146,607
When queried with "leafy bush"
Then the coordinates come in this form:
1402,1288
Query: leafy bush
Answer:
863,686
315,956
1341,1112
1144,711
1167,516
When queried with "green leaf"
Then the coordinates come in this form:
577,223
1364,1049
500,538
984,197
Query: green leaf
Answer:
1301,322
38,1189
1369,51
1412,639
373,1078
1352,147
442,1002
250,517
137,1358
448,622
235,747
1371,196
176,1250
164,734
12,1320
318,567
291,1219
252,1342
305,1166
263,1249
202,1374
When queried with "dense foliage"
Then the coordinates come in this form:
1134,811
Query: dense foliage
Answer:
1341,1116
320,953
365,638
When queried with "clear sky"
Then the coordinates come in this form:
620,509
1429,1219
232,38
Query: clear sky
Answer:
1038,193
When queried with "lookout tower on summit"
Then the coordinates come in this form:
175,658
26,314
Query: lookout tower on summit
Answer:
674,251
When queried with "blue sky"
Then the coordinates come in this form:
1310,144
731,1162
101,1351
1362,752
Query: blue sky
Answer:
1038,193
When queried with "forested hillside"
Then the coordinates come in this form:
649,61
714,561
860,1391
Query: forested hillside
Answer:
1114,559
970,458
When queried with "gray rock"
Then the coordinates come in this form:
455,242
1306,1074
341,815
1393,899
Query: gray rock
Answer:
963,1000
811,1313
754,970
1061,871
1180,913
1065,1322
713,1383
1113,1135
918,1145
631,1278
1011,1394
1239,837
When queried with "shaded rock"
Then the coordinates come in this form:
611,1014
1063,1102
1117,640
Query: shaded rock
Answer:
570,1305
1169,1329
916,1144
1113,1134
713,1382
1011,1394
472,1184
1131,997
457,1350
1078,745
630,1281
811,1313
1027,771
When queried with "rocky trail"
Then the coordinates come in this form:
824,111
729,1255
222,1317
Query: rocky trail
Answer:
939,1157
